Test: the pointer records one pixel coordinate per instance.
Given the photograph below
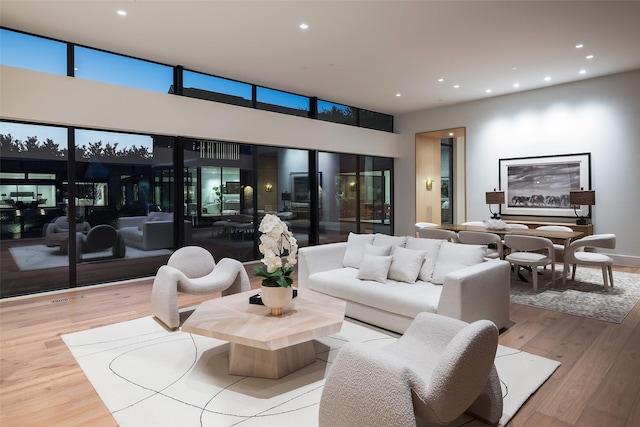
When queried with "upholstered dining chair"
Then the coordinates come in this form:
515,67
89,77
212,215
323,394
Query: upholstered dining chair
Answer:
575,254
474,223
529,251
438,233
193,270
558,248
493,242
439,369
420,225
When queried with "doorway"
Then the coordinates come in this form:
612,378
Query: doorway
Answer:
440,182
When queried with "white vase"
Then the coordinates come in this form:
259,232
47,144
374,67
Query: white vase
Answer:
276,298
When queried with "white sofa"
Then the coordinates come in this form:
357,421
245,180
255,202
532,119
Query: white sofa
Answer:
154,231
471,289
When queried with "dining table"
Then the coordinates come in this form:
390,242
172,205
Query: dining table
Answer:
559,237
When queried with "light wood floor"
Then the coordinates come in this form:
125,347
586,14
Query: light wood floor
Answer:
598,383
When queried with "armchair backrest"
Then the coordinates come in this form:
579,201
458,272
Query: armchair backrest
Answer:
99,238
193,261
605,241
528,243
438,233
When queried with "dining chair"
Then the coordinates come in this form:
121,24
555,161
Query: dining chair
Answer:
524,252
474,223
438,233
558,248
575,254
514,226
482,238
420,225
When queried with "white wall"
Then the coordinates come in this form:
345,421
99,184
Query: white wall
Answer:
600,116
51,99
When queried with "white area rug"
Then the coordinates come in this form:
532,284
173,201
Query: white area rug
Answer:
585,296
147,376
38,257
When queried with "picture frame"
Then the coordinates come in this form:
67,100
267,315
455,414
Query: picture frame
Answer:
539,186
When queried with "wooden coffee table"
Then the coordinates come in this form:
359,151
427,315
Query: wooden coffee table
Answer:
262,345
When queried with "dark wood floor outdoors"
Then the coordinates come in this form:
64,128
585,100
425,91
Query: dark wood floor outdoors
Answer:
598,383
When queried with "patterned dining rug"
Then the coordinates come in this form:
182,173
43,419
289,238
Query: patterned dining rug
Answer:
147,376
585,296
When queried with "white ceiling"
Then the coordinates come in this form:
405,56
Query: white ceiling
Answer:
359,53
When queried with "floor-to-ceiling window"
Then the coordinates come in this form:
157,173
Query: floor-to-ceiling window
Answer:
33,169
375,194
283,188
219,198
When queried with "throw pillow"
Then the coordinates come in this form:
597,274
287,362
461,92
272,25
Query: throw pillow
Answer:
386,240
432,247
377,250
374,267
454,256
355,249
406,264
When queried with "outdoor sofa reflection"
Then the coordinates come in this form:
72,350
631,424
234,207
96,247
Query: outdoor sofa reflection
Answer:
150,232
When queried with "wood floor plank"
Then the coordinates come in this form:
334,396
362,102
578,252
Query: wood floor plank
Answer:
567,401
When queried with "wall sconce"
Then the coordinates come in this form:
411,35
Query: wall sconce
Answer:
582,198
352,186
18,212
268,187
429,183
494,198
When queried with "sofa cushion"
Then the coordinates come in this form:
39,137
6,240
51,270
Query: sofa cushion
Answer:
380,239
374,267
431,247
406,264
355,249
455,256
406,299
377,250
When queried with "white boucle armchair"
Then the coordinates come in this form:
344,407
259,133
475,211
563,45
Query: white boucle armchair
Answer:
193,270
438,370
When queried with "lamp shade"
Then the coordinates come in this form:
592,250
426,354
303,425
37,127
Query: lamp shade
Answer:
286,196
582,198
495,197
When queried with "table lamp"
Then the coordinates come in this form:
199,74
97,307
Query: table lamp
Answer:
582,198
495,198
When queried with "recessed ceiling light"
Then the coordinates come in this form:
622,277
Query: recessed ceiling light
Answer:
514,68
398,95
589,56
579,46
304,26
122,13
546,79
488,91
456,86
440,80
583,71
516,85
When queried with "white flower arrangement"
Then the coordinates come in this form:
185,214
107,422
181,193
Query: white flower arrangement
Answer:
276,239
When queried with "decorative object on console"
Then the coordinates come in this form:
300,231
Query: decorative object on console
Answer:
276,239
582,198
494,198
